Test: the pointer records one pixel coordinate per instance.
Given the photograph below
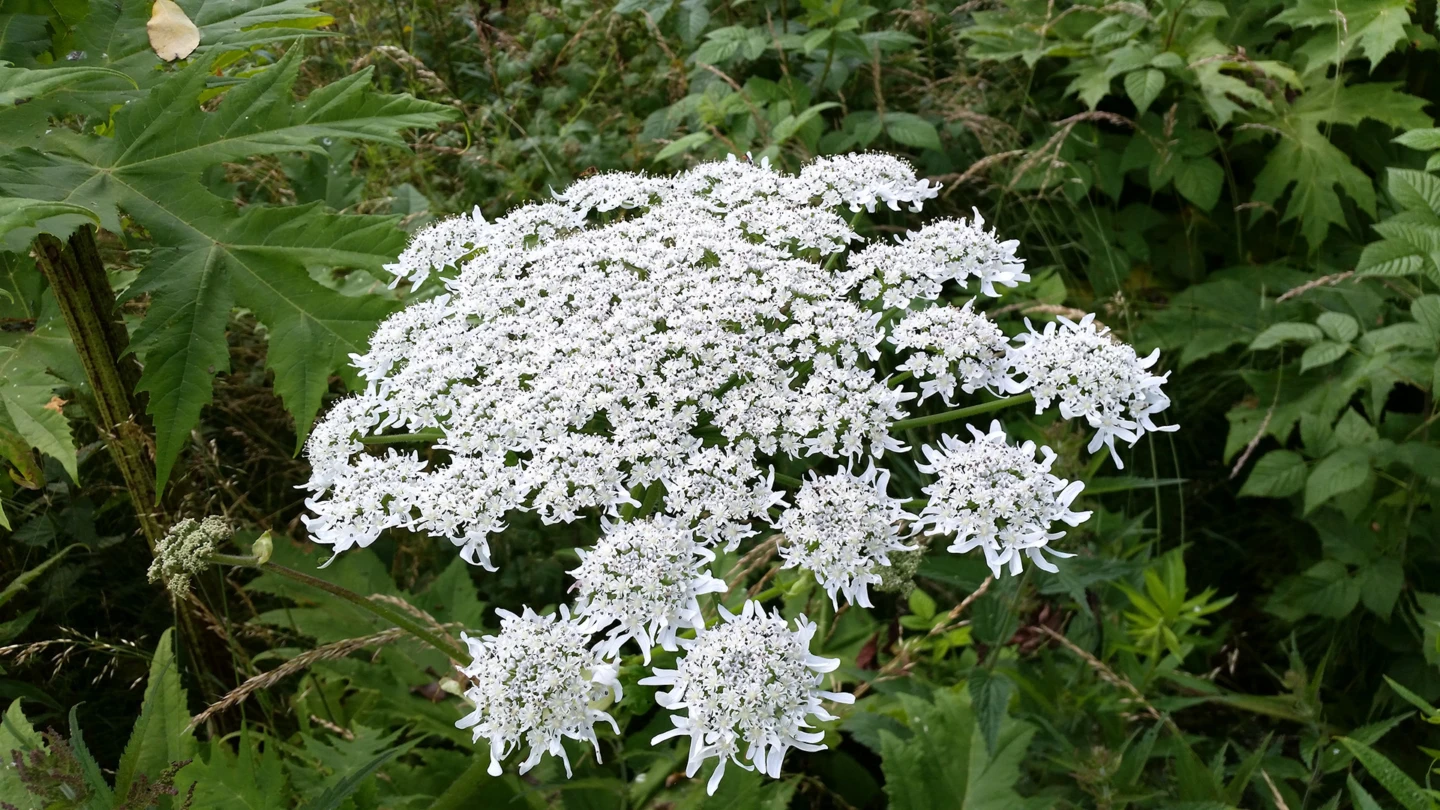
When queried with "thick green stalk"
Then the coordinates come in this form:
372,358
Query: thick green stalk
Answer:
419,436
380,610
82,289
962,413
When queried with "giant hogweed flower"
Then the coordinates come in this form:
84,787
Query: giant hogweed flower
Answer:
1094,376
995,496
842,529
536,683
641,581
748,687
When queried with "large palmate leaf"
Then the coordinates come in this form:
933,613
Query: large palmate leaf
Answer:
161,735
106,58
213,255
1310,167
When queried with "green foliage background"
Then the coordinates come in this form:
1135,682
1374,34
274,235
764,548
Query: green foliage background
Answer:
1253,619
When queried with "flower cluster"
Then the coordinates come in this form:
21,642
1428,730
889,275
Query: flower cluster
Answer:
994,496
748,687
185,551
1094,376
642,580
953,346
842,529
647,350
536,682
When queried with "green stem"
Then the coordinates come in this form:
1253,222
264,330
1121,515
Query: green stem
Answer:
82,289
788,480
382,611
960,413
419,436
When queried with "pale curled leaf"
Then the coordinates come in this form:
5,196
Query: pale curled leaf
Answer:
172,34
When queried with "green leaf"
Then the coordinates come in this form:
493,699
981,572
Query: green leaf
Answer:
1285,332
1322,354
944,764
990,695
20,583
1410,795
1380,585
1426,311
1415,191
1336,474
1422,139
28,408
1375,27
21,220
1143,87
1278,474
19,85
253,780
1338,326
922,605
213,255
1412,698
333,798
1311,168
16,734
1361,798
911,130
682,145
1199,180
161,735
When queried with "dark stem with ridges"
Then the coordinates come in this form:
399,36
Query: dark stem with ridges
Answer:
82,289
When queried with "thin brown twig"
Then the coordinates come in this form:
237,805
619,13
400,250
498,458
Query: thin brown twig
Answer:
303,661
1107,674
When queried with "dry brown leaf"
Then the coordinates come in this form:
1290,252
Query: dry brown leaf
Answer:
172,34
55,404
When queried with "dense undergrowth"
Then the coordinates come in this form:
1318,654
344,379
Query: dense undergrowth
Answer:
1253,616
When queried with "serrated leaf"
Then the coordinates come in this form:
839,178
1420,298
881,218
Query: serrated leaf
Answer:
1321,354
160,736
19,85
212,254
16,734
253,780
1422,139
1410,795
1199,180
1426,312
1285,332
1278,474
990,695
1416,191
944,764
911,130
1412,698
1389,258
1143,87
28,408
1336,474
1374,27
1338,326
1380,584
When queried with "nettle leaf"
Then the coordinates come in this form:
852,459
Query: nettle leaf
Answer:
161,735
1278,474
214,255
